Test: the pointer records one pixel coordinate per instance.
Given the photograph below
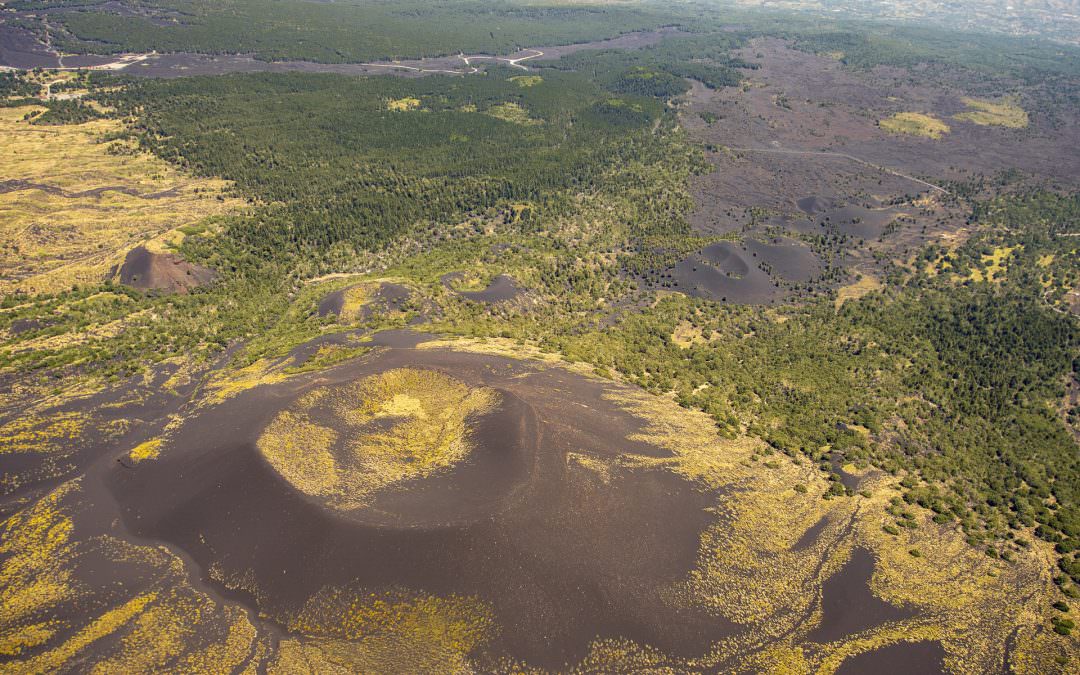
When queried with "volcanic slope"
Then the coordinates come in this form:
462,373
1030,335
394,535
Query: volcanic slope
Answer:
503,511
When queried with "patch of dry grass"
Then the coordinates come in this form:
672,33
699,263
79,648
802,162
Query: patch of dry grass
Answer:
1004,113
403,104
513,113
50,241
853,291
915,124
526,81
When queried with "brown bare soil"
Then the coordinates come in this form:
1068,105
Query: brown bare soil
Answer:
161,271
902,658
847,604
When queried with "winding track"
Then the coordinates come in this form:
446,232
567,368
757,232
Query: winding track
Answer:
841,155
129,59
515,63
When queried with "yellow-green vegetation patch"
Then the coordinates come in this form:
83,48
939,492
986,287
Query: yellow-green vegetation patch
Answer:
328,356
144,451
686,335
994,264
622,103
526,81
1003,113
915,124
353,299
470,280
343,444
40,434
865,284
356,631
513,113
50,619
33,577
403,104
86,202
230,383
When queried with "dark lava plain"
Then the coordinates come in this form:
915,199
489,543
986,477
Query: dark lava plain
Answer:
798,152
754,272
502,288
563,554
903,658
847,604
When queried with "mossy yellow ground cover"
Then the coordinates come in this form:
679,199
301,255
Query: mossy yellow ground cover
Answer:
51,620
40,434
526,81
344,444
353,631
78,224
513,113
36,545
403,104
144,451
857,289
1004,113
229,383
915,124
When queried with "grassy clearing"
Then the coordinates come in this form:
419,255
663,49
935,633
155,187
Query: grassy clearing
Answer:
513,113
853,291
50,241
1004,113
403,104
915,124
526,81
